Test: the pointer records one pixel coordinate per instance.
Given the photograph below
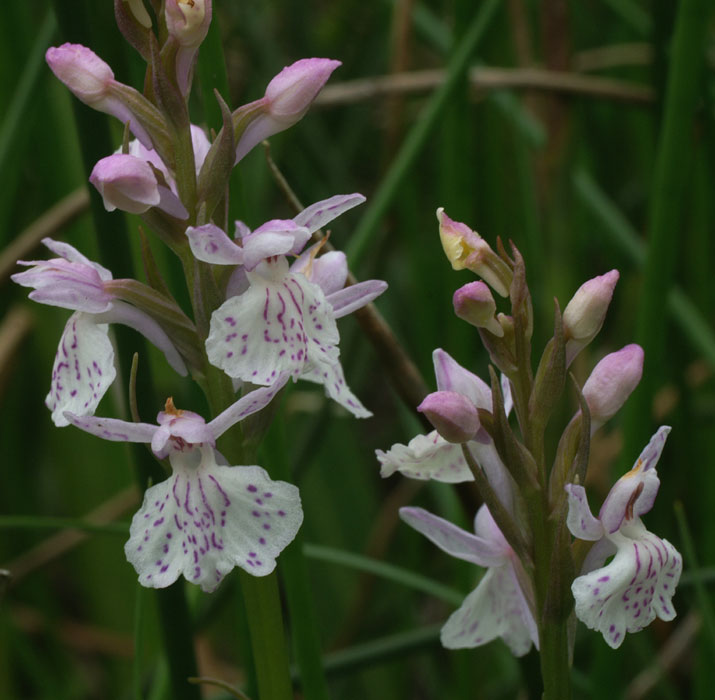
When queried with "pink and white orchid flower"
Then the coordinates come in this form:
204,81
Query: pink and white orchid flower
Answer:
206,518
84,363
638,584
431,456
497,607
284,319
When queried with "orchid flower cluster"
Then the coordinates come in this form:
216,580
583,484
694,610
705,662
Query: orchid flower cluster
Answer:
265,302
536,576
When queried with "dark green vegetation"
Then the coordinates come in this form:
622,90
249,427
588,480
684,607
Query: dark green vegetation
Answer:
596,133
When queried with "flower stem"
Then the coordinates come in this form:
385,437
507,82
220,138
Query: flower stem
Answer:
260,594
265,624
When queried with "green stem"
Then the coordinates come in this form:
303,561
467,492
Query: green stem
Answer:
260,594
265,624
555,667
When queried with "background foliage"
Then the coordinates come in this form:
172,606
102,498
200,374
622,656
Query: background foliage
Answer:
553,140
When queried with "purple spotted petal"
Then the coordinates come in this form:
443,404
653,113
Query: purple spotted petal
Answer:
451,376
112,428
258,335
206,519
317,215
210,244
426,457
634,588
580,520
355,296
83,369
496,608
455,541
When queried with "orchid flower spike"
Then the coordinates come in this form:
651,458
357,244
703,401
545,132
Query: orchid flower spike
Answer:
285,319
638,584
497,607
288,97
205,518
84,363
434,456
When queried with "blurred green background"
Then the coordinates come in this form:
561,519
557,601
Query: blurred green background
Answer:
577,130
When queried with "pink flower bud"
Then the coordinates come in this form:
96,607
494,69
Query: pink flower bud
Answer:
188,20
129,183
475,304
293,90
466,249
453,415
585,313
126,182
611,382
287,99
82,71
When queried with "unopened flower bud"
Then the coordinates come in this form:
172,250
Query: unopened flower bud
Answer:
287,99
82,71
126,183
188,20
453,415
611,382
585,313
92,81
129,183
475,304
465,248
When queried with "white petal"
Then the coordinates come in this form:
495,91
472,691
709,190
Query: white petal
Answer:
455,541
496,608
354,297
451,376
485,454
325,368
83,369
317,215
206,519
652,451
580,520
628,593
426,457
